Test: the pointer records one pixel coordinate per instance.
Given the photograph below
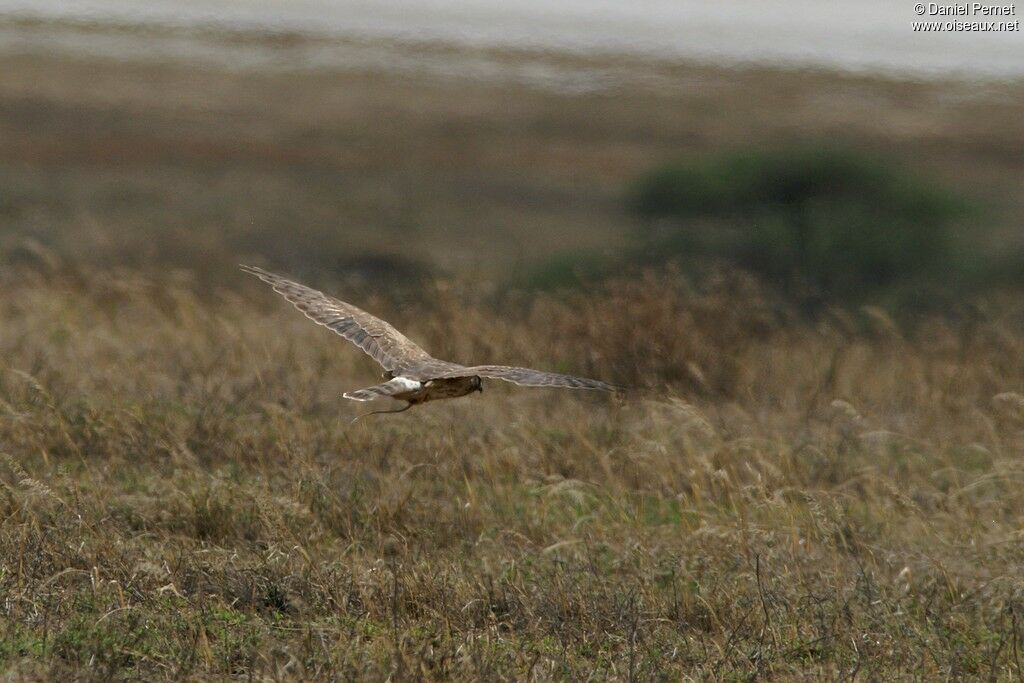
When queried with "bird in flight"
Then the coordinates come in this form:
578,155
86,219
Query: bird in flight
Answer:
412,374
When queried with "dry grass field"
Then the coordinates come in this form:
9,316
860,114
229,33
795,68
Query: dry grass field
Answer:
184,495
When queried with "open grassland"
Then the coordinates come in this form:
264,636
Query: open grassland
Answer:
183,496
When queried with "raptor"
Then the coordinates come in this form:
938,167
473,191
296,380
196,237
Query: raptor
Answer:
412,374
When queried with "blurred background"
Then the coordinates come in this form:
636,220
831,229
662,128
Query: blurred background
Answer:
825,148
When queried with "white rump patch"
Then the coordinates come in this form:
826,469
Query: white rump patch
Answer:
398,385
405,384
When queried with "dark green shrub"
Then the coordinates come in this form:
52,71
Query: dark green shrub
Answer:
820,223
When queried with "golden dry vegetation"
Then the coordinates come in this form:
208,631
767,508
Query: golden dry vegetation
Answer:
184,495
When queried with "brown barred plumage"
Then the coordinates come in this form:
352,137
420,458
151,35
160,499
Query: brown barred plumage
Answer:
418,377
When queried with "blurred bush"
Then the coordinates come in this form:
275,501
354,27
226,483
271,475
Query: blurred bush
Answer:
821,224
566,270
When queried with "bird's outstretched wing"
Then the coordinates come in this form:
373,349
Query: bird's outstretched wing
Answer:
394,351
382,342
528,377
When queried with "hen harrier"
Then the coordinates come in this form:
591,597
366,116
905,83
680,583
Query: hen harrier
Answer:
413,374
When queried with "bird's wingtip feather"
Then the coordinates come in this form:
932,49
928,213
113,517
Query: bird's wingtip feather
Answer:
264,275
